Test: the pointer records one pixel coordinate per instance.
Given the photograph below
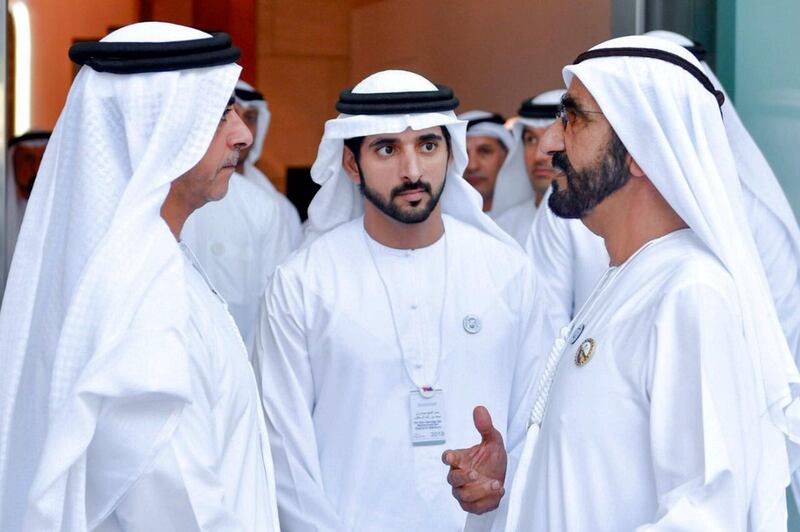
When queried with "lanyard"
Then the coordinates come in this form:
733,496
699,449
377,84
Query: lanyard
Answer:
426,388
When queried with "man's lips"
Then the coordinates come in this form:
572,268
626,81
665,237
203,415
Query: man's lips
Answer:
412,195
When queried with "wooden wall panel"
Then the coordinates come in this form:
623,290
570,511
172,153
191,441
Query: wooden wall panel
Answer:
493,54
303,63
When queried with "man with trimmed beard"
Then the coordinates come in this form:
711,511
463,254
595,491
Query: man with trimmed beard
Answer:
665,403
488,142
407,307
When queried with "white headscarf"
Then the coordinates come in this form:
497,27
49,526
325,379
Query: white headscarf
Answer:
263,122
486,129
686,155
92,323
513,185
339,200
754,170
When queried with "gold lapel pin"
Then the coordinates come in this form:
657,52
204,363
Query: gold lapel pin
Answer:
585,352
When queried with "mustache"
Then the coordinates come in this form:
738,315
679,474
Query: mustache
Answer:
233,160
409,186
561,162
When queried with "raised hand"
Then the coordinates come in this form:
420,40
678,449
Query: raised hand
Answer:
477,474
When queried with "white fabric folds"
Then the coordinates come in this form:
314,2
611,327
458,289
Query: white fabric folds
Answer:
93,321
757,176
339,200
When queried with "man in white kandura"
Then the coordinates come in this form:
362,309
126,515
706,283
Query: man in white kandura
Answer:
240,239
128,402
664,404
571,258
527,172
408,307
252,107
488,142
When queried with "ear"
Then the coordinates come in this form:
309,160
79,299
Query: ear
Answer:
634,168
350,165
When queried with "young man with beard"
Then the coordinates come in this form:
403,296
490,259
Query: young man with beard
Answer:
664,404
408,307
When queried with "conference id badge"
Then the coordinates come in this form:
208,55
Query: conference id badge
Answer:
427,417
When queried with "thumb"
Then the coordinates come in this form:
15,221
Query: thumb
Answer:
483,422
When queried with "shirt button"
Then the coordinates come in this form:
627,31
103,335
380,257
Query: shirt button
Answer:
413,307
217,248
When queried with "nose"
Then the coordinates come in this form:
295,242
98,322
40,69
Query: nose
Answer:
411,169
239,136
552,140
472,162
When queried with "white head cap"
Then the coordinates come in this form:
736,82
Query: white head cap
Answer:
754,171
339,200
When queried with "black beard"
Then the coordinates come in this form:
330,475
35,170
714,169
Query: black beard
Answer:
587,188
392,210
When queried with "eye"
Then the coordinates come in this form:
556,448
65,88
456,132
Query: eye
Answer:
428,147
530,140
572,116
223,118
386,150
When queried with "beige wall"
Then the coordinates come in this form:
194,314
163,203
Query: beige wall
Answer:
54,23
493,53
303,63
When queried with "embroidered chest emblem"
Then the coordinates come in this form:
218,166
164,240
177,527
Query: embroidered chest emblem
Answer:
585,352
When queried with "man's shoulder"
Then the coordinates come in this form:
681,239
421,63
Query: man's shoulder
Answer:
469,240
333,249
685,265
